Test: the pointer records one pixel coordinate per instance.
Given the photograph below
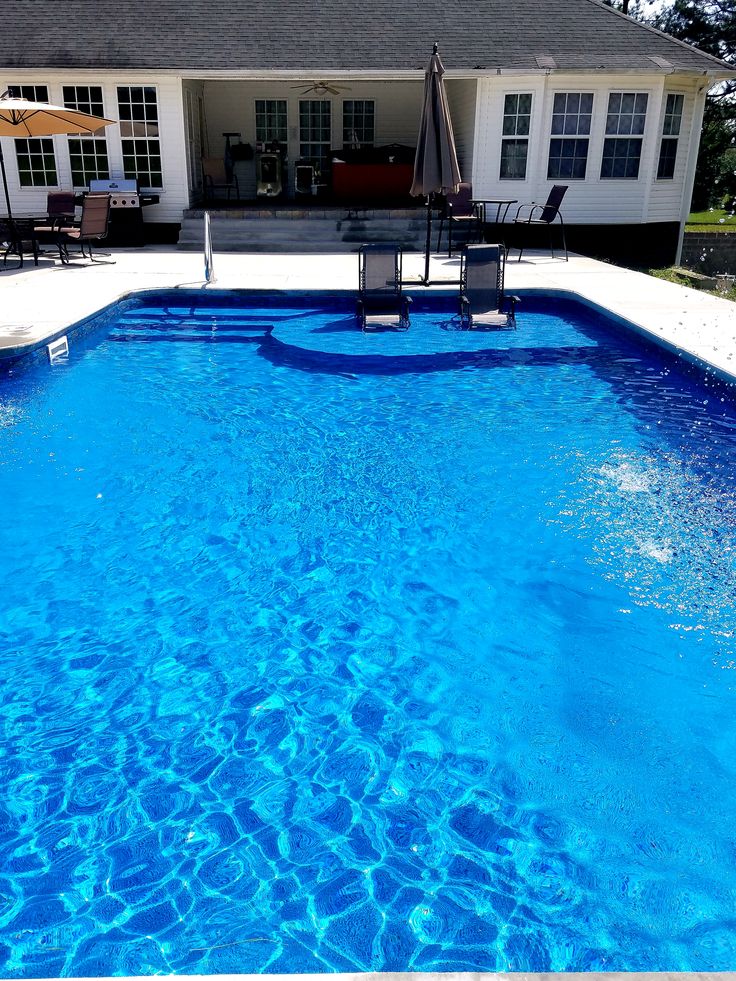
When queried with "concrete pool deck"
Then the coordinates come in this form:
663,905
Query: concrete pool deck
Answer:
37,303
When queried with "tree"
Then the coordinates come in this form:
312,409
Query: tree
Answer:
711,26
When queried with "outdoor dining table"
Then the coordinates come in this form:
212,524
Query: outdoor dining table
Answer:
16,231
485,205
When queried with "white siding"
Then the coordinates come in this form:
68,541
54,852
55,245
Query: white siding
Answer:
174,194
666,196
461,95
230,107
593,200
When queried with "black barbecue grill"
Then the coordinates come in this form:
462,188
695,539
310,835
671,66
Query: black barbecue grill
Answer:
126,209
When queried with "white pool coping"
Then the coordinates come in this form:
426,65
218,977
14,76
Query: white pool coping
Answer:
37,303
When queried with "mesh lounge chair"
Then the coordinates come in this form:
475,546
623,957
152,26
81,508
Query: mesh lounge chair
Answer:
217,176
544,214
380,300
92,227
482,299
461,211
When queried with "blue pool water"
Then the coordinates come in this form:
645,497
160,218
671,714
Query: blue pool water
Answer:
325,664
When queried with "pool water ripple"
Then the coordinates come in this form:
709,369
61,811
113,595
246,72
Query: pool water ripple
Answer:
318,670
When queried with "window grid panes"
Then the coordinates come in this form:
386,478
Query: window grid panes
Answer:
36,162
670,132
138,111
568,146
271,121
34,93
358,122
88,160
621,159
85,98
315,130
35,157
517,110
625,121
87,156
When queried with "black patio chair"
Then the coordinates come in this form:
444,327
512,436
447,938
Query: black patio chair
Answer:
544,214
459,210
381,302
483,303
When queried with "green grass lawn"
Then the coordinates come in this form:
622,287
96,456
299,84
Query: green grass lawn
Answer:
714,220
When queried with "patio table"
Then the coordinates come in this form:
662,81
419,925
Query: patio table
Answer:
501,205
14,232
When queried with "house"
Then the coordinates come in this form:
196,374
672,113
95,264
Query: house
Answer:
541,92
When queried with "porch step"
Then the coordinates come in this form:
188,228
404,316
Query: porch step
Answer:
328,230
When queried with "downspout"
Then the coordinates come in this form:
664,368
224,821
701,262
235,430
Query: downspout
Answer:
695,133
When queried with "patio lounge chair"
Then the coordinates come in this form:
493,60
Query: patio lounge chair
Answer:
92,227
483,303
544,214
459,210
381,302
217,176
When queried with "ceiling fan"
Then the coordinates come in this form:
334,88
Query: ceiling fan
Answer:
322,88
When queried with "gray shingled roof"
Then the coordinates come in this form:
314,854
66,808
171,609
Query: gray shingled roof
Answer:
333,35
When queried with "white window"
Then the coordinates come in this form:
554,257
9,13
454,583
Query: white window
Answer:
138,110
35,157
568,146
315,133
358,122
88,154
670,135
517,114
625,121
271,121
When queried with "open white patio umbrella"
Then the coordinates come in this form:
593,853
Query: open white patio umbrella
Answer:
22,118
436,170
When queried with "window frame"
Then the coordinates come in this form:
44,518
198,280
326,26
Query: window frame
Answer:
267,136
625,137
321,158
86,146
669,139
48,177
575,138
141,151
513,137
349,128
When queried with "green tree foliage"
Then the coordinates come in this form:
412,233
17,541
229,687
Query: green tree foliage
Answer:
711,26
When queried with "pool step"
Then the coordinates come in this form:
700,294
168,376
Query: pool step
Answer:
328,231
138,325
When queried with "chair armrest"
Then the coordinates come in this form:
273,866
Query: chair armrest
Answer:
532,208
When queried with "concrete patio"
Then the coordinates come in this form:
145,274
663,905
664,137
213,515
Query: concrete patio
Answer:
40,302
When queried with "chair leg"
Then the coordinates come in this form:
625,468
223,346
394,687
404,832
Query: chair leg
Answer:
564,243
439,235
449,238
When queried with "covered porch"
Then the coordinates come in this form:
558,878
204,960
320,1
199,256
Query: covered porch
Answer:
343,141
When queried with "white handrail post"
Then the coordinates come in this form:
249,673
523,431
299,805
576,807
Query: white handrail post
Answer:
209,269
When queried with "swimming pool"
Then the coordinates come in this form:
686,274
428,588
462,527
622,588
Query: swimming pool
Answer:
319,663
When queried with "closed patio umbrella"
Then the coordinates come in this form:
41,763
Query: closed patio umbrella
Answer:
436,170
23,118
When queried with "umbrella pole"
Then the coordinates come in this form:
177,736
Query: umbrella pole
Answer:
428,246
5,183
